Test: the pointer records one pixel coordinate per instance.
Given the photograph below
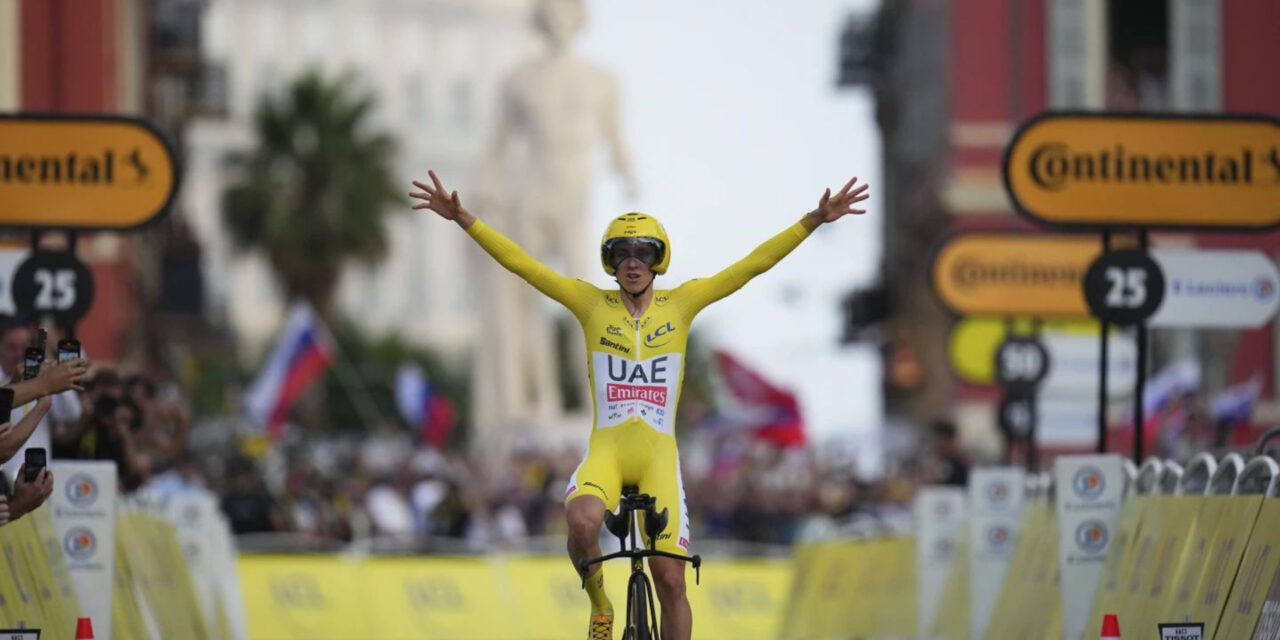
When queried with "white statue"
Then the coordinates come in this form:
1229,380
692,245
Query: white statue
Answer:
556,108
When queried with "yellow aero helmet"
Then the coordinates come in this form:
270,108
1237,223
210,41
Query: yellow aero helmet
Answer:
636,226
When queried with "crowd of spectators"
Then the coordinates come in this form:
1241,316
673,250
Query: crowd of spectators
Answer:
385,487
74,411
388,486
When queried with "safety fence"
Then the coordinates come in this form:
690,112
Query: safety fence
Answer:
1199,545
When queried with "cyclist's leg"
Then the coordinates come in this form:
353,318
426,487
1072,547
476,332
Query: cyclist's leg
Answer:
662,481
594,487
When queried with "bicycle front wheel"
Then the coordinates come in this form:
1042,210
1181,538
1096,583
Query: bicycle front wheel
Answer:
637,608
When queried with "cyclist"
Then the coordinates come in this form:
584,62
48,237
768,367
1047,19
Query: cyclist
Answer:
636,339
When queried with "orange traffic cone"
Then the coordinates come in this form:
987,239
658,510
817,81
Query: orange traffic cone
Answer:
84,629
1110,628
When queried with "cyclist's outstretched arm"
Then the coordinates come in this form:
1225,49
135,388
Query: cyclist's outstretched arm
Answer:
701,292
574,294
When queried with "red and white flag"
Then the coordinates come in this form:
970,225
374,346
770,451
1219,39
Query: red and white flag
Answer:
772,411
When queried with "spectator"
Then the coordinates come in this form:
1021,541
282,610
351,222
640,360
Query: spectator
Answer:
105,435
248,504
952,468
66,407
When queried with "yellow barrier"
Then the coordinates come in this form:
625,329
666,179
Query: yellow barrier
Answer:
35,588
444,598
1254,589
1117,571
1213,559
1030,587
852,589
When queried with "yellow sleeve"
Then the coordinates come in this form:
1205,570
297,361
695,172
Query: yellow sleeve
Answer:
576,295
698,293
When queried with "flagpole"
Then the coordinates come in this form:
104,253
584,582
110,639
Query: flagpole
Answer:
351,380
356,390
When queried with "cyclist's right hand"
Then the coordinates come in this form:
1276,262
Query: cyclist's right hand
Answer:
445,203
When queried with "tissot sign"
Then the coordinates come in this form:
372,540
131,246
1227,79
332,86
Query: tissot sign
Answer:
1117,170
83,172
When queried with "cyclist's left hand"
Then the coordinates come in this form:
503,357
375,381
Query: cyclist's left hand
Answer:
833,207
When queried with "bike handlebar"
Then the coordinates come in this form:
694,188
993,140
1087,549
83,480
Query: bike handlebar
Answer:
695,560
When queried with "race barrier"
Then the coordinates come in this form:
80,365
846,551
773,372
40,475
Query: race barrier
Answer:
854,589
1195,546
343,597
120,563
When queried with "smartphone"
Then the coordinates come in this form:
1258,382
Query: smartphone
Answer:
6,403
34,356
36,460
68,349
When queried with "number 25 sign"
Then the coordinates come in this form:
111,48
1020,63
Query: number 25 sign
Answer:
52,284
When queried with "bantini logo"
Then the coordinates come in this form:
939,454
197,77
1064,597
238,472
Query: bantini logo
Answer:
1092,536
79,543
1088,483
81,491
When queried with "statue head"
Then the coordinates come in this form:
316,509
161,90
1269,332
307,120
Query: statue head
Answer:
559,20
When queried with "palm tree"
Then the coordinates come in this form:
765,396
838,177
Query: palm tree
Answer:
315,193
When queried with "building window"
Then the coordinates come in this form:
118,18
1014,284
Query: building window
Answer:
1195,55
1138,55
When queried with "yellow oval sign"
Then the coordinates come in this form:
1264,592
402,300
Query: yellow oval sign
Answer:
1014,274
974,340
1100,170
83,172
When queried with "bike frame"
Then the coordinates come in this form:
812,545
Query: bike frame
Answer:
631,505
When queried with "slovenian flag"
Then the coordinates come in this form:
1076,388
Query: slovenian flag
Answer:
302,353
424,408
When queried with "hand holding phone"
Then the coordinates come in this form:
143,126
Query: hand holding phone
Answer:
35,462
6,403
34,356
68,349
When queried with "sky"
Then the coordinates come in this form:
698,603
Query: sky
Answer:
735,127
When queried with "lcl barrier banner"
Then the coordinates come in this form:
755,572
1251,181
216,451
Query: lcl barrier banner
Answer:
940,520
35,590
1089,492
1029,602
995,505
1211,560
1253,608
84,514
1117,569
310,597
203,536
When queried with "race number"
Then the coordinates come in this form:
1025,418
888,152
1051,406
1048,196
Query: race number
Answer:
1124,287
52,284
1021,362
1017,414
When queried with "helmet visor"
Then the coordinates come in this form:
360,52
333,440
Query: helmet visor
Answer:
647,250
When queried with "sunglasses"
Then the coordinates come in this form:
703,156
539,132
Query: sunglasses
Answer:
647,250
